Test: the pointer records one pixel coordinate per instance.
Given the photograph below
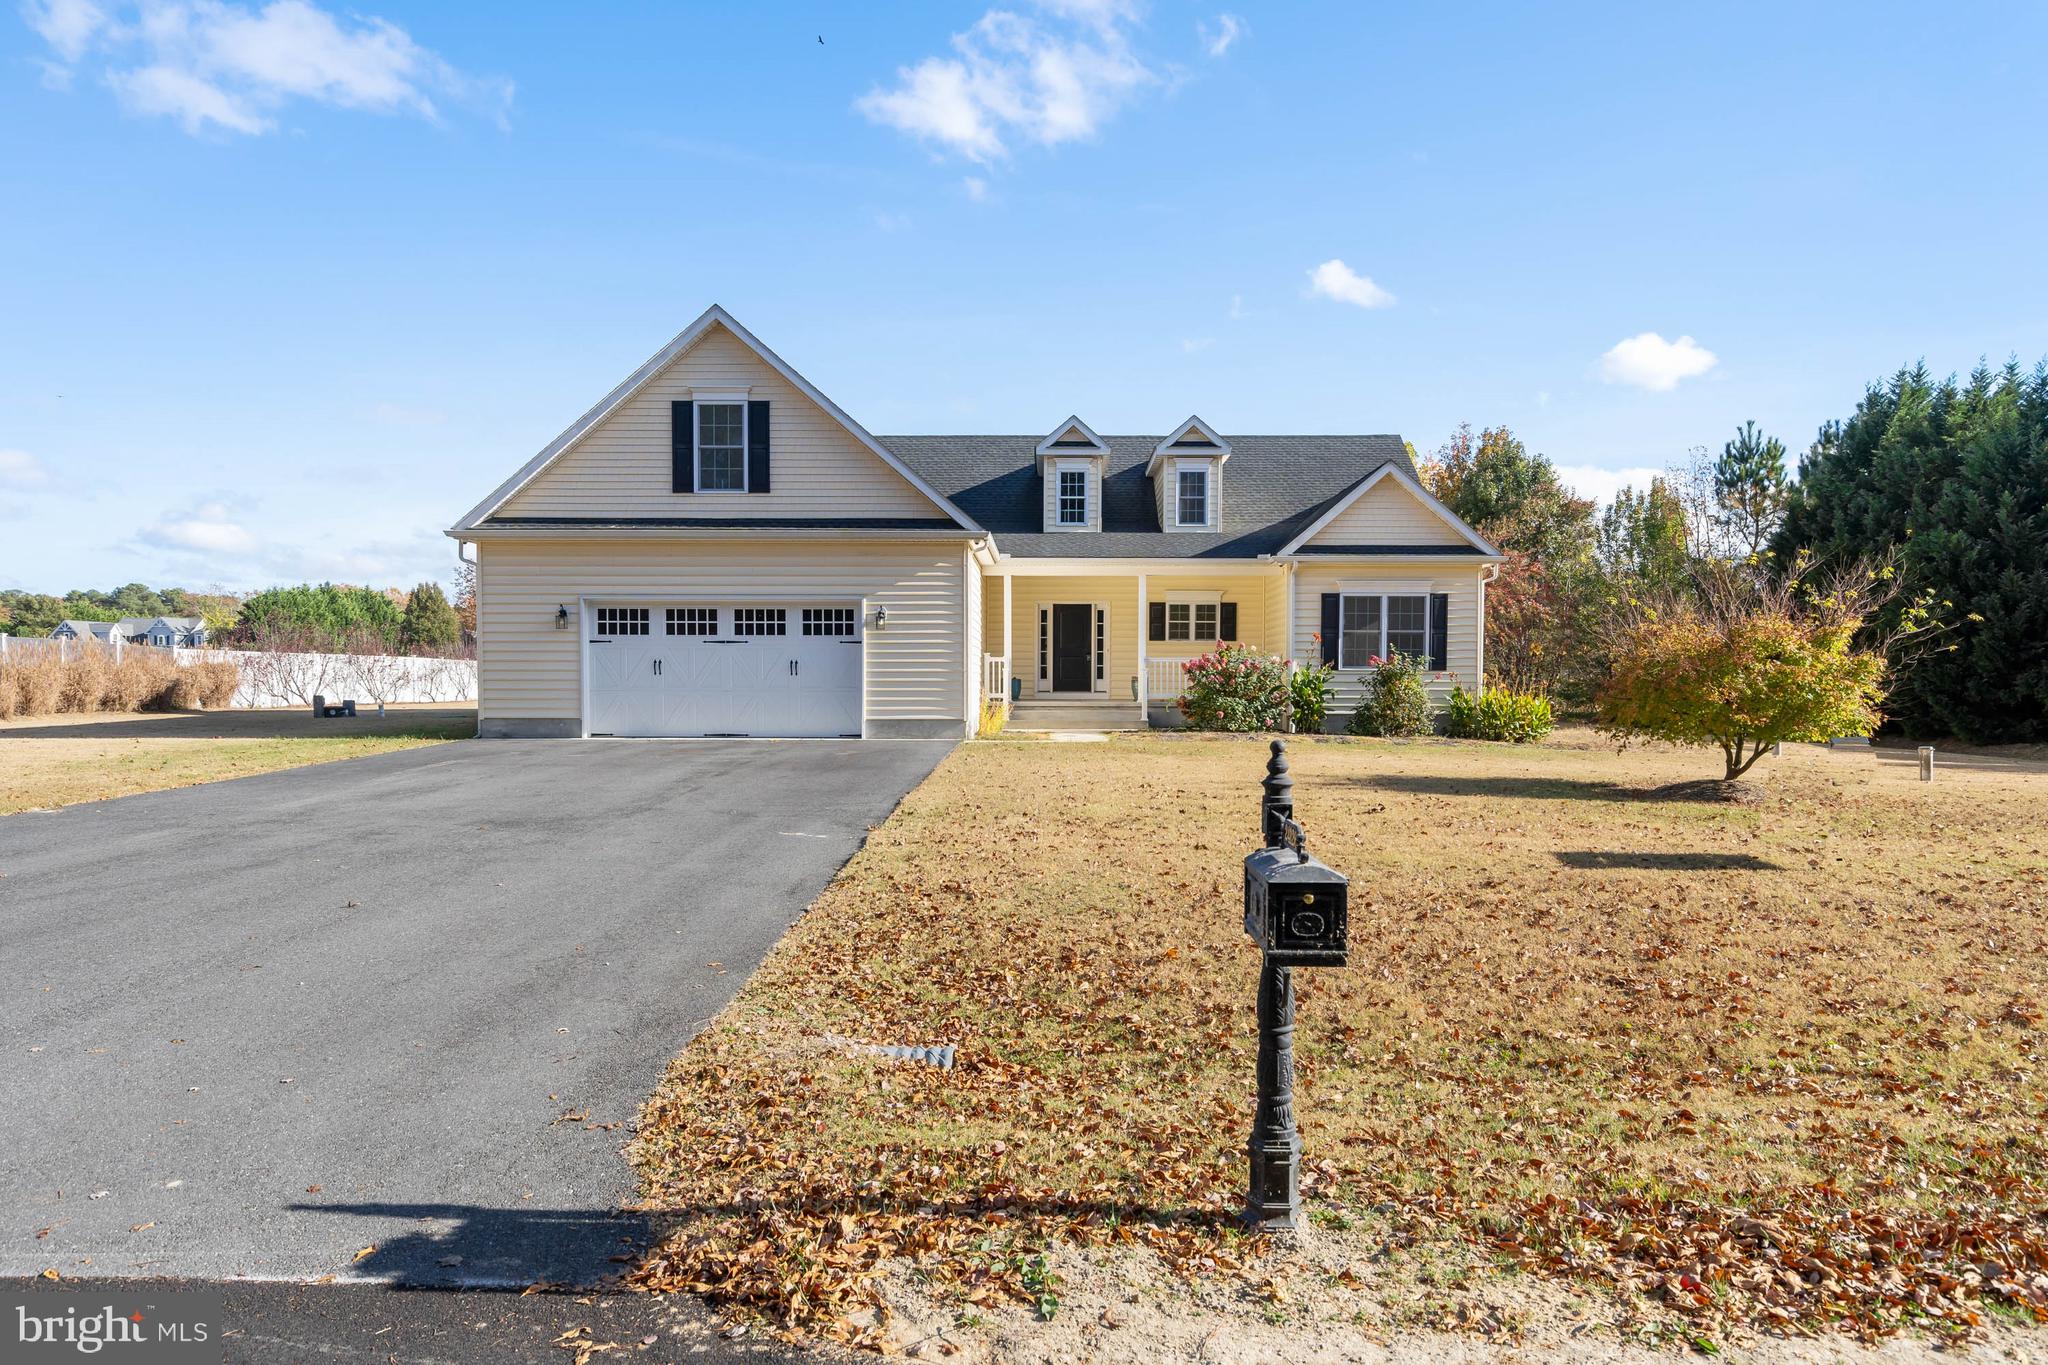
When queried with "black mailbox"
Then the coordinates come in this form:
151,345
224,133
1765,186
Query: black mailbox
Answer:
1294,908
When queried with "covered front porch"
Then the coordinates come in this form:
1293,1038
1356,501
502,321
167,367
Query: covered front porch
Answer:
1083,638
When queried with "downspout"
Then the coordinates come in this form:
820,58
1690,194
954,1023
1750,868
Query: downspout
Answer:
1486,575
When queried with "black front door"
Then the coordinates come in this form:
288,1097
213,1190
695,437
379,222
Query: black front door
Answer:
1073,625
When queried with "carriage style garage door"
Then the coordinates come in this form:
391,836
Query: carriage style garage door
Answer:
728,669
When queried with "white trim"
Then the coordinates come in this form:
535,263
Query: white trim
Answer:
1046,445
659,361
1026,566
1450,518
628,532
1144,638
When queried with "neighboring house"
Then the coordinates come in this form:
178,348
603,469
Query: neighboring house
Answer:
717,548
165,632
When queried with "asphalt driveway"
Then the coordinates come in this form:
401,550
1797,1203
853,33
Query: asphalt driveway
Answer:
388,1018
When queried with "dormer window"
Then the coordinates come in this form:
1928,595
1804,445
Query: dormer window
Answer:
1073,497
1192,495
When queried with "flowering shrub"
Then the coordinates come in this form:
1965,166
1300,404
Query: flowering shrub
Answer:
1235,688
1308,692
1498,713
1396,703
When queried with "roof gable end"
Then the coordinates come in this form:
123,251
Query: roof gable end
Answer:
1400,477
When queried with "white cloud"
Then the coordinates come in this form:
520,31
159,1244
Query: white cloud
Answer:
891,222
976,187
207,63
1237,313
1193,344
1335,280
1648,361
1592,481
67,26
207,529
19,469
1217,38
1011,77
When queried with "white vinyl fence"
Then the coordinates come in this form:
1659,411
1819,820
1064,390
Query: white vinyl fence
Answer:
295,679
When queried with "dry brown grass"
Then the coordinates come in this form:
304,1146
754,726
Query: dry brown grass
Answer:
93,680
1778,1061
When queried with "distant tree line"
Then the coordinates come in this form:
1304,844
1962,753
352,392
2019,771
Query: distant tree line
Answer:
1927,507
325,618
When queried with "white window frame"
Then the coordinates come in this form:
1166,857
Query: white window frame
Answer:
698,402
1193,602
1181,470
1384,596
1060,470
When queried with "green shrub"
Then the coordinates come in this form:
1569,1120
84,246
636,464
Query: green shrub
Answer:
1498,713
1236,688
1308,693
1396,703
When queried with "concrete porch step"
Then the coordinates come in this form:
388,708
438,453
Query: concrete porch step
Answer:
1036,716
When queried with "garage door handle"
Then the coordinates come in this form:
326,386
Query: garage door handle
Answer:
792,668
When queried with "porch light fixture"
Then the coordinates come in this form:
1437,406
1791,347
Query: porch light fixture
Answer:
881,617
561,618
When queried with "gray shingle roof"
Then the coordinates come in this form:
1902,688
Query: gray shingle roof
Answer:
1273,487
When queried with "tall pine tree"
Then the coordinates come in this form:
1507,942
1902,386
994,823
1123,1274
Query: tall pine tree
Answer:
1955,476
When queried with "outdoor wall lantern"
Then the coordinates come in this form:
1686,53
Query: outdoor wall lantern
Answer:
881,617
561,618
1296,910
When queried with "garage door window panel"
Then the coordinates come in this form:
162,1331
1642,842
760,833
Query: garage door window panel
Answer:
618,621
693,620
760,621
832,621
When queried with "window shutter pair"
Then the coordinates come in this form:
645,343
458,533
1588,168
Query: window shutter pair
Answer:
682,438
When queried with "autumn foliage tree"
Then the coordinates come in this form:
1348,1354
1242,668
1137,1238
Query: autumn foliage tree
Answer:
1745,664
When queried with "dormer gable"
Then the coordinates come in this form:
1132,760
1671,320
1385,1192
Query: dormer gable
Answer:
1186,470
1071,461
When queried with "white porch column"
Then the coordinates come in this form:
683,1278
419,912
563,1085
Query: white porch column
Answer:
1009,656
1144,634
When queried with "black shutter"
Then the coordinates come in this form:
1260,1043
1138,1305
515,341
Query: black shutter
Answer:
1439,632
757,446
681,434
1226,626
1332,604
1159,620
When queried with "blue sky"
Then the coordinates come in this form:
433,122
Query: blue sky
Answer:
289,287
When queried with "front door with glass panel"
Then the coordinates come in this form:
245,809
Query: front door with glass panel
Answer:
1073,647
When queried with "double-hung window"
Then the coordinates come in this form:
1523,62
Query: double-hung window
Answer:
1192,620
722,447
1191,499
1073,497
1376,625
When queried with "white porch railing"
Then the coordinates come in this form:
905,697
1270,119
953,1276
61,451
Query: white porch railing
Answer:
995,677
1165,679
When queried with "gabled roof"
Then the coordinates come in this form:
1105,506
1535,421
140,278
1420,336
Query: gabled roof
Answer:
714,316
1407,479
1275,486
1193,437
1072,437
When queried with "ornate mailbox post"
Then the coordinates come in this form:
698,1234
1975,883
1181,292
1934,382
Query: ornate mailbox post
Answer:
1295,910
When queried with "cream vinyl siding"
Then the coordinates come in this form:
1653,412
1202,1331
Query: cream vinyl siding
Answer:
622,466
1461,644
1257,623
1387,514
527,669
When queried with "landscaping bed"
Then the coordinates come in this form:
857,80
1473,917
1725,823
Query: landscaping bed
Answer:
1735,1067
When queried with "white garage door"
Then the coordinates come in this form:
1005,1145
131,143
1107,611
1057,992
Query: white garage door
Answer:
696,669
